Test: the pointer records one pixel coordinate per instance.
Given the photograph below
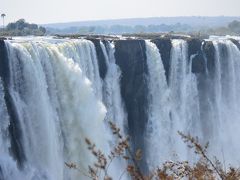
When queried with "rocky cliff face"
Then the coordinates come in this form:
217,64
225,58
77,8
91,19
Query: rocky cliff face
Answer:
195,53
101,59
164,45
131,58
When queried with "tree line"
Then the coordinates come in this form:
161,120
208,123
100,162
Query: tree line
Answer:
22,28
233,28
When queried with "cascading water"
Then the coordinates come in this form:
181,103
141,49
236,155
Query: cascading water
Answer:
226,101
159,124
57,105
112,94
183,96
8,165
176,107
52,96
169,104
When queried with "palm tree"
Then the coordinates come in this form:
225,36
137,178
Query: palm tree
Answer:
3,16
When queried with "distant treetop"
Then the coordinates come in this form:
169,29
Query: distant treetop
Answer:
23,28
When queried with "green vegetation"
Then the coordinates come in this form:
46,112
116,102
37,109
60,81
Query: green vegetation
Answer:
22,28
205,168
121,29
233,28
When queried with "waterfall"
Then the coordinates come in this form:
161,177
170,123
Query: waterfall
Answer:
176,107
8,168
183,96
226,85
159,123
113,101
169,104
54,93
112,94
57,105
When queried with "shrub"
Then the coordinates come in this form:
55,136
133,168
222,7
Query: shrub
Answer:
205,168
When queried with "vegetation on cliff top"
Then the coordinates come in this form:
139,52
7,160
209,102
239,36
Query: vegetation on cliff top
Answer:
233,28
22,28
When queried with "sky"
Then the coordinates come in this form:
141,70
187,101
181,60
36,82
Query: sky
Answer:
53,11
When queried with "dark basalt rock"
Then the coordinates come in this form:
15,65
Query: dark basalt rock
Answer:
236,43
101,59
164,45
209,51
4,71
14,127
3,38
131,58
1,173
195,52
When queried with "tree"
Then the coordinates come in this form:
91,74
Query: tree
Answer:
21,24
3,16
42,30
234,26
23,28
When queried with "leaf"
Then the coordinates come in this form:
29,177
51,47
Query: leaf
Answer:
138,155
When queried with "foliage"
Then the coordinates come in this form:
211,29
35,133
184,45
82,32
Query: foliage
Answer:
22,28
205,168
121,29
234,26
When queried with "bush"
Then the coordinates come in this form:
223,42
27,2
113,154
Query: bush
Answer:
205,168
22,28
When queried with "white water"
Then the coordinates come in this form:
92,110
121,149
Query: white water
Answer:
176,107
112,94
57,91
8,165
169,104
227,102
113,102
61,99
159,121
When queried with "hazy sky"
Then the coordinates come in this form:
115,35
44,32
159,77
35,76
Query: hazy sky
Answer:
48,11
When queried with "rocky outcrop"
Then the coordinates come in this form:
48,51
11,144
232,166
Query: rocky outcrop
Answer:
131,58
101,59
196,55
236,43
209,52
194,52
164,45
14,127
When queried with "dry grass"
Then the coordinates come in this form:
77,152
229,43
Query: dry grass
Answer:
204,169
